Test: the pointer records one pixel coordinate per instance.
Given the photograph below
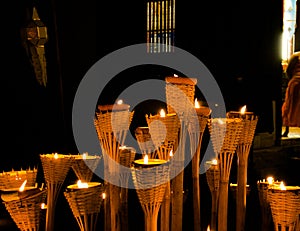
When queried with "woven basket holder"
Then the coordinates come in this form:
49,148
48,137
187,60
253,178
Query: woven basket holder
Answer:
14,179
285,207
165,138
84,168
26,213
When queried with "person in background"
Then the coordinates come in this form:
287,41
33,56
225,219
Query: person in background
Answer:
291,105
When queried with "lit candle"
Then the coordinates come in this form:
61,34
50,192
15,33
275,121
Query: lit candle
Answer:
43,206
18,193
282,186
146,159
270,180
162,113
241,114
171,153
103,196
83,185
208,228
55,156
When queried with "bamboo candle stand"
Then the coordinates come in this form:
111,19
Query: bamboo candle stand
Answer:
213,181
26,212
112,125
164,130
249,121
263,187
55,167
180,92
14,179
285,206
85,203
196,129
225,134
84,166
127,156
150,181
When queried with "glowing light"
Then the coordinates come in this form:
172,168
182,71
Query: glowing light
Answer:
197,105
43,206
21,189
146,159
84,155
103,195
208,228
82,185
282,186
214,161
55,156
270,180
171,153
162,113
243,110
120,101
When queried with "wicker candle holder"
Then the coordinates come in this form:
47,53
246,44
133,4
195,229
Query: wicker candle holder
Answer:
145,142
249,121
225,134
26,212
213,181
285,207
150,182
55,167
14,179
164,131
84,166
112,125
195,130
85,203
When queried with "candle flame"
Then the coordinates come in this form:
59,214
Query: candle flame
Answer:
197,105
243,110
162,113
282,187
120,101
55,156
220,121
84,155
214,161
43,206
81,184
208,228
171,152
103,195
175,75
21,189
270,180
146,159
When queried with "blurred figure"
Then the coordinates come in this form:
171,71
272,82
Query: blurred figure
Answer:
291,105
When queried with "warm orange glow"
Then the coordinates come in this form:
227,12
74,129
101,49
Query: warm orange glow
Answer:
146,159
197,105
214,161
22,188
103,195
82,185
84,155
220,121
55,156
270,180
282,186
175,75
208,228
43,206
162,113
120,101
243,110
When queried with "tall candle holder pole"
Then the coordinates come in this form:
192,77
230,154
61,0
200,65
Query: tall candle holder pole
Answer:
243,149
55,167
127,156
285,207
196,129
85,203
225,134
112,125
213,181
150,183
180,92
26,212
164,132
